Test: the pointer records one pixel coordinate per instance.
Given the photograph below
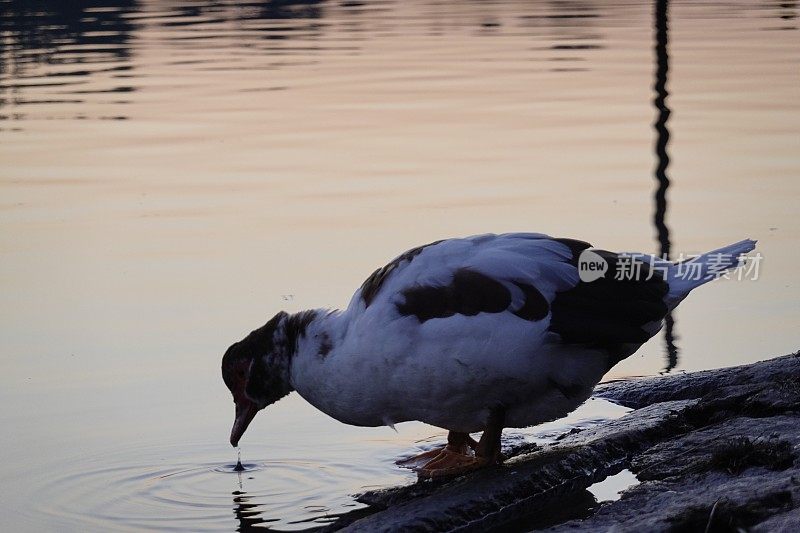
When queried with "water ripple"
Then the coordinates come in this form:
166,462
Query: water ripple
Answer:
115,491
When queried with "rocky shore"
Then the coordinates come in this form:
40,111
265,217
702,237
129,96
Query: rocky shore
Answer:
717,450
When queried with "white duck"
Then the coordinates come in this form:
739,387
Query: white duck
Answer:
472,334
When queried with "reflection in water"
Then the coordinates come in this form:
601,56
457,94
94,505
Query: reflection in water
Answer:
662,139
48,31
290,9
788,13
54,50
247,514
79,56
75,60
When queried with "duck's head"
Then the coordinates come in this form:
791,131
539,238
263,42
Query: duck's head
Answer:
256,371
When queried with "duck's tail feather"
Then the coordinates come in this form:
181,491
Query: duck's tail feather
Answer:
685,276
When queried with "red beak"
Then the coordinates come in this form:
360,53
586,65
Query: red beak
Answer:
245,412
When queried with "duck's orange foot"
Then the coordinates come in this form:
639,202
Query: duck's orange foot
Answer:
458,457
450,463
418,461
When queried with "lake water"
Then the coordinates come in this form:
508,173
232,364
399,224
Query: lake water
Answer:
174,173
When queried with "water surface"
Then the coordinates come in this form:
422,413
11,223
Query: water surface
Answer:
174,173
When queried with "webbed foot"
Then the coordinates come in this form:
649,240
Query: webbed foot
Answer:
450,463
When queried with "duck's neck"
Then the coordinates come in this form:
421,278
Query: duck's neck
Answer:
314,334
319,371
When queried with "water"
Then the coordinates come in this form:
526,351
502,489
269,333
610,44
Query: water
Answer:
174,173
611,488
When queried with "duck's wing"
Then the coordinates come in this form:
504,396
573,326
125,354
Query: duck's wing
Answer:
528,276
481,265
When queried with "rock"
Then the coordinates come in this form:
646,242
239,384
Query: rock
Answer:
637,393
746,470
781,523
739,444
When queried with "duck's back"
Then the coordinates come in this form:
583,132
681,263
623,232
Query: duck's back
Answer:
524,277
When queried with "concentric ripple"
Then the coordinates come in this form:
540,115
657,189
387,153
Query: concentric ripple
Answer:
113,492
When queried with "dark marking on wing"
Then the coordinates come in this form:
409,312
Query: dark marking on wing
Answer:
609,313
372,285
575,247
469,293
535,306
325,346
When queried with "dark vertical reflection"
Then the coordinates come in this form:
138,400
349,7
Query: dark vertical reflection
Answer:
662,139
248,514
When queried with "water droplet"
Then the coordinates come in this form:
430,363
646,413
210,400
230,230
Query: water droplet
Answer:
238,467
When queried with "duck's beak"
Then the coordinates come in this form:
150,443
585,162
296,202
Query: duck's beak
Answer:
245,412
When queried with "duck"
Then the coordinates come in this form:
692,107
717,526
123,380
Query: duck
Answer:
473,334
